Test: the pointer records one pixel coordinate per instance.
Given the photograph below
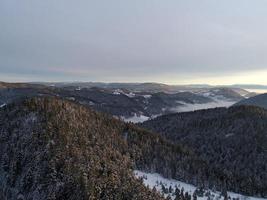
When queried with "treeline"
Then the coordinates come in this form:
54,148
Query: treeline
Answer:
232,142
56,149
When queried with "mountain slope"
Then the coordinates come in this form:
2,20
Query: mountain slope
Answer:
259,100
53,149
56,149
233,141
120,103
123,103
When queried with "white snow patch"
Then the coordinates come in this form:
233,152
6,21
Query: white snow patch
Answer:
206,94
136,118
155,116
91,103
181,102
153,180
131,94
119,91
3,105
163,109
116,93
71,98
229,135
147,96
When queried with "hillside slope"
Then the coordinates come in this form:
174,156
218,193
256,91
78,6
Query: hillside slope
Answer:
56,149
233,141
53,149
129,105
259,100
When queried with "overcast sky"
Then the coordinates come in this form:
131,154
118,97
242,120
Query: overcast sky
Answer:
169,41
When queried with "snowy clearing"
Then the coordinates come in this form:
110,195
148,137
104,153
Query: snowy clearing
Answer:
119,92
156,180
3,105
147,96
136,118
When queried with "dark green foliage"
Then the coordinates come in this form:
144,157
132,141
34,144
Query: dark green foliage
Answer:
54,149
232,142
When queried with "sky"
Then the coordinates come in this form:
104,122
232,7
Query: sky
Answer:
172,41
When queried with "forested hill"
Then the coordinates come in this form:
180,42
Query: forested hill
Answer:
53,149
232,141
259,100
56,149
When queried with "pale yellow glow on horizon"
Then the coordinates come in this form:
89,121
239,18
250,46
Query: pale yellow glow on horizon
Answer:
249,77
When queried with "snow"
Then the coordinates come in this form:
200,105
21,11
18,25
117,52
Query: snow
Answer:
131,94
229,135
147,96
3,105
71,98
91,103
116,93
136,118
153,180
119,91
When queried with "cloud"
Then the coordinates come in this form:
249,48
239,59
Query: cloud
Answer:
137,40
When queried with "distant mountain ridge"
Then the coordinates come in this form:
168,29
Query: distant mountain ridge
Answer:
152,86
5,85
124,101
251,86
259,100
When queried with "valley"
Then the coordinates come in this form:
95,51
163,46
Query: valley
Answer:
131,105
199,140
133,100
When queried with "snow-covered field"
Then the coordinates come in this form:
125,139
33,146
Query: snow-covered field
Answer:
119,92
2,105
135,119
156,180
